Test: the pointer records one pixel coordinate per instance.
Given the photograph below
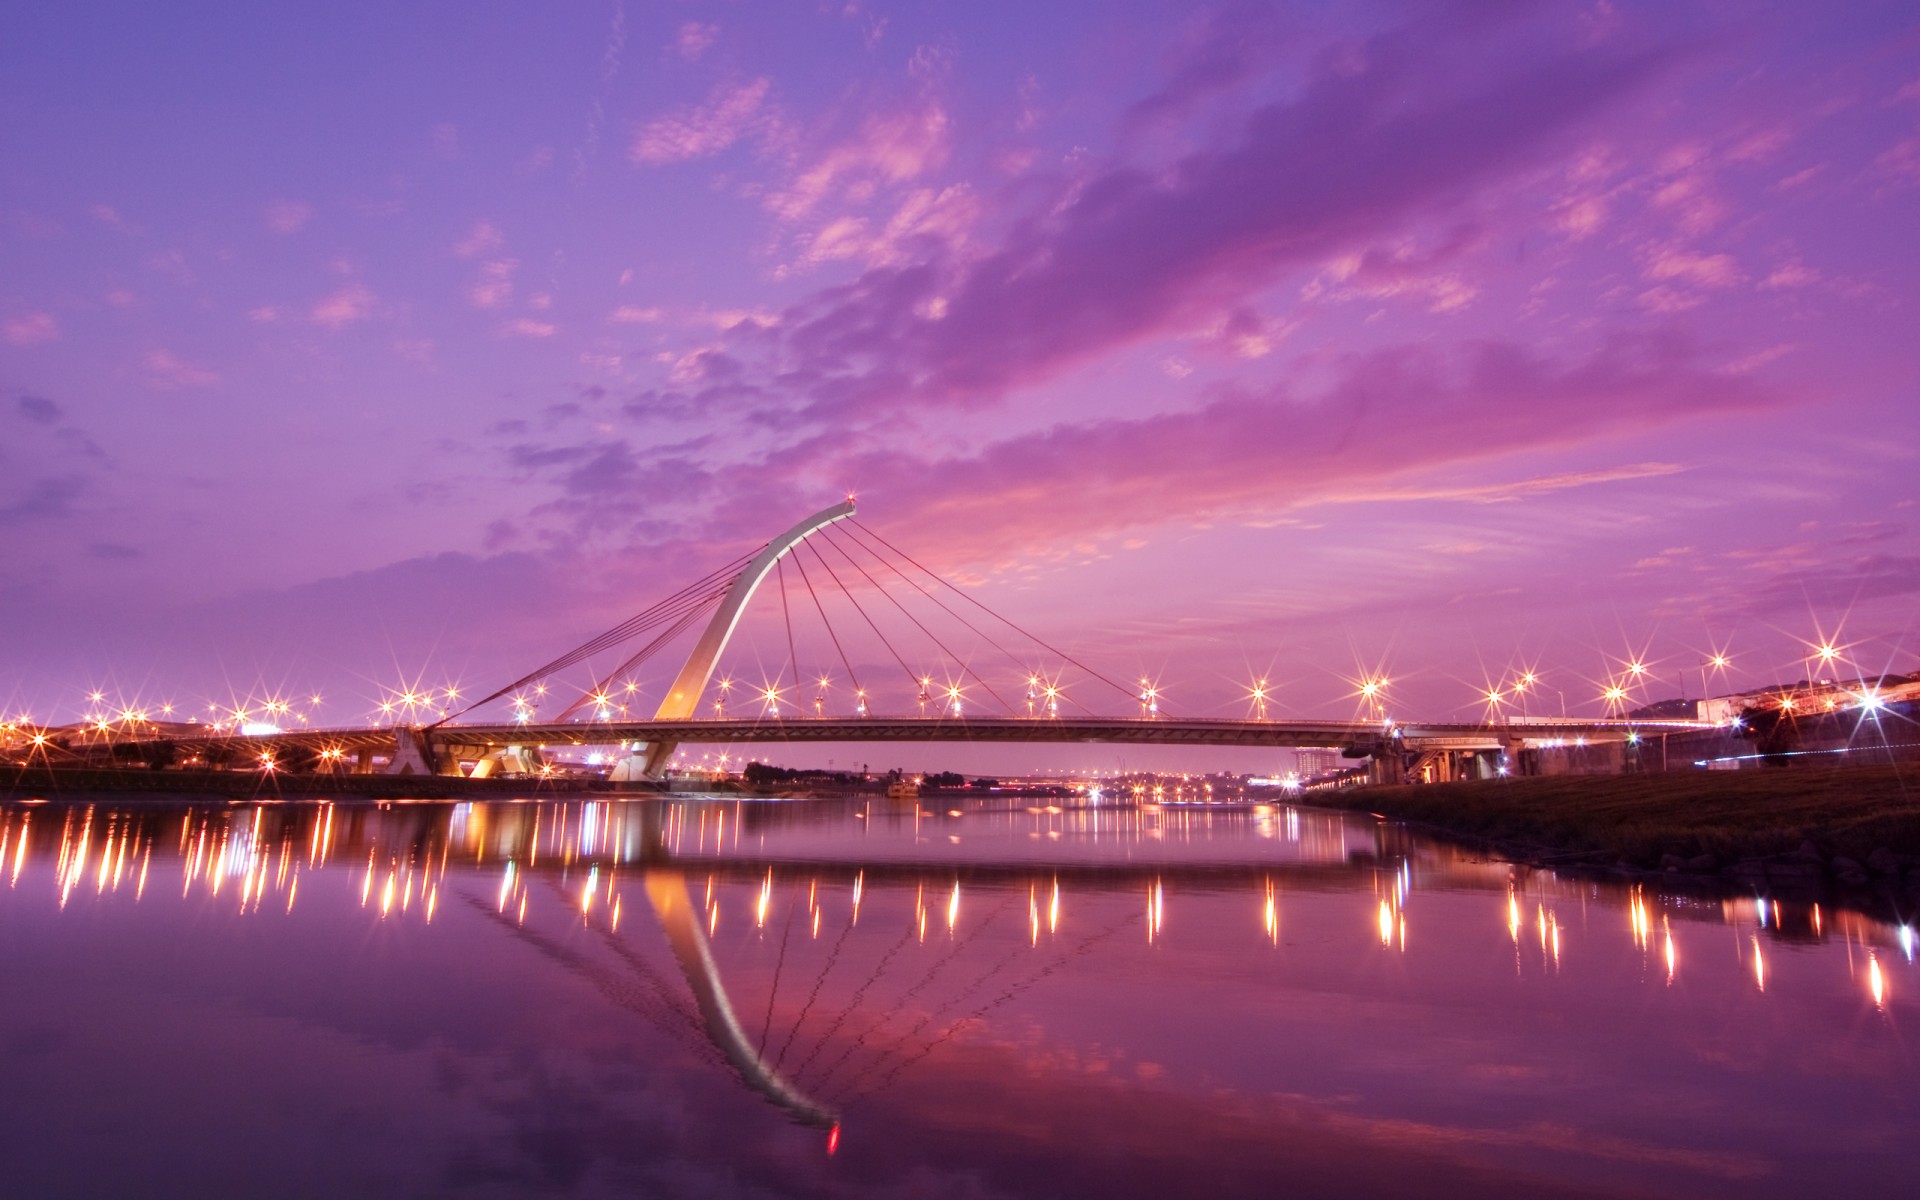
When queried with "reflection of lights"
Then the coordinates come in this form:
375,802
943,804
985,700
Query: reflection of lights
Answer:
953,907
1513,916
1673,954
1876,981
1759,965
1386,924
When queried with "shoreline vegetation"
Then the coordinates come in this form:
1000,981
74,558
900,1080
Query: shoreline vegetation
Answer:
1852,826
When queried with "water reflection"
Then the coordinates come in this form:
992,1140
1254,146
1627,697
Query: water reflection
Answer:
856,967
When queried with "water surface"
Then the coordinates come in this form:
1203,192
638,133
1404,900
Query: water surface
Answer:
859,998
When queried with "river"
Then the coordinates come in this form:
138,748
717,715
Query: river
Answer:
981,998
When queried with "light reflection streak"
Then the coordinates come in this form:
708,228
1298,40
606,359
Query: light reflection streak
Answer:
253,850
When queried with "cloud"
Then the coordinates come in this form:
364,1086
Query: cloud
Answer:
1126,253
527,327
888,149
694,39
1394,420
39,410
1408,424
1702,270
31,329
494,286
288,216
729,114
44,499
169,372
344,307
630,314
484,236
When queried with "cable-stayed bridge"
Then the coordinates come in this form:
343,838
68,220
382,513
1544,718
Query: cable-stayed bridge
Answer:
891,611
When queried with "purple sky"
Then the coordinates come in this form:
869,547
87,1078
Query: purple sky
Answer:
349,345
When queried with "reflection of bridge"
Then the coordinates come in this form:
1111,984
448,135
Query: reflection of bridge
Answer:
1397,750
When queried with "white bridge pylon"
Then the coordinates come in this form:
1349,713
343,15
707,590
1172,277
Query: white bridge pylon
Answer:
683,698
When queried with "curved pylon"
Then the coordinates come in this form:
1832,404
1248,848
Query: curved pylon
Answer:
683,698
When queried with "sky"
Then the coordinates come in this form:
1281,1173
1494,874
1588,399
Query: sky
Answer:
351,347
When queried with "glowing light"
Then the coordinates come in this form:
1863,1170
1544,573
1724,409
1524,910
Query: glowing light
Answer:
1876,982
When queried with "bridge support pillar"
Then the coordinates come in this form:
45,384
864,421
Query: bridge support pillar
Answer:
657,755
412,753
1389,765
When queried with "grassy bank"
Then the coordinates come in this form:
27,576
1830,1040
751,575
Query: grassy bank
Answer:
1846,815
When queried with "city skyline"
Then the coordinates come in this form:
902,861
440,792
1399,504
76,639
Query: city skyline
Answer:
1438,343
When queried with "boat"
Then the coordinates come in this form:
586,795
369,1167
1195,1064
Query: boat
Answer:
903,789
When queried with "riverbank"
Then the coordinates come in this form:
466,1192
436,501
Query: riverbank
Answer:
87,783
1851,825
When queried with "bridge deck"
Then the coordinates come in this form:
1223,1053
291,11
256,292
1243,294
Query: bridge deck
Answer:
1163,731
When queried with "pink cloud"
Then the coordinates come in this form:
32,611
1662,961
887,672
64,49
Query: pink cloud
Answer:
729,115
109,216
924,217
694,39
288,216
344,307
494,287
630,314
169,372
527,327
31,329
1126,254
889,149
484,236
1701,270
1401,424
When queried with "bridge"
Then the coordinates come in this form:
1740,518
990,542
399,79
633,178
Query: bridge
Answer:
1047,685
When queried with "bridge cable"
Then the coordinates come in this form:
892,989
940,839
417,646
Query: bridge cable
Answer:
688,616
643,654
964,668
977,632
1127,692
818,607
848,593
625,631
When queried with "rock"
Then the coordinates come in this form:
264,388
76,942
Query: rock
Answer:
1748,868
1807,852
1883,862
1703,864
1672,862
1840,864
1793,871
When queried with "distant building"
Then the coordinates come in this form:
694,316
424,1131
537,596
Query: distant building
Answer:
1310,763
